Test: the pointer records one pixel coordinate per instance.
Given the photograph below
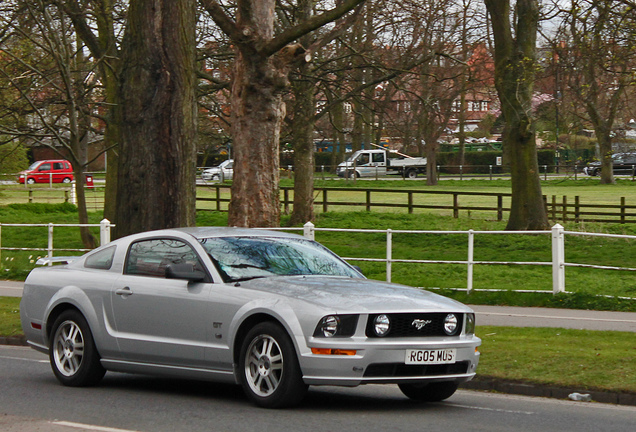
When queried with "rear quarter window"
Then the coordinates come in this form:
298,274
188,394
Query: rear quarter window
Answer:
102,260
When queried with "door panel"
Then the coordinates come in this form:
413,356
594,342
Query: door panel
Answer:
161,320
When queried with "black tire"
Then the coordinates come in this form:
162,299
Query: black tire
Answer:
269,371
72,353
352,174
433,392
216,177
412,173
30,180
66,180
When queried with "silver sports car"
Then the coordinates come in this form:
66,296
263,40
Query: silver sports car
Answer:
271,311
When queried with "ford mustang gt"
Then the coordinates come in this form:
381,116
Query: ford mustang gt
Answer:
271,311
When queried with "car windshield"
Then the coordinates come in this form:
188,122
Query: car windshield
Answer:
33,166
243,258
353,157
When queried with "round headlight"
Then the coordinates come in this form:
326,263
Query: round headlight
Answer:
450,324
329,326
381,325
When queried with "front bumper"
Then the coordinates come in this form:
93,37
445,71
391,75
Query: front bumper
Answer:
383,361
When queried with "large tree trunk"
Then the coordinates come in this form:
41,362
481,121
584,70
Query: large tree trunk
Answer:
261,75
258,111
514,79
603,136
157,92
302,132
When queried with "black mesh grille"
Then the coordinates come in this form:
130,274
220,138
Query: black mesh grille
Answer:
406,325
400,370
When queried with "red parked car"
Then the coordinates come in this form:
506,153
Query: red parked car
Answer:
47,171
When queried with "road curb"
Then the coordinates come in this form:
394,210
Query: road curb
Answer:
487,383
13,340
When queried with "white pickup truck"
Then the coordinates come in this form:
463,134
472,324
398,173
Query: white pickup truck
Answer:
371,163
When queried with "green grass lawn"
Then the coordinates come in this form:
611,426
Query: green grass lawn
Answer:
10,316
577,359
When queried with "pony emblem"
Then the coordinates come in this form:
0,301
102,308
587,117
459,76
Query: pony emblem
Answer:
420,324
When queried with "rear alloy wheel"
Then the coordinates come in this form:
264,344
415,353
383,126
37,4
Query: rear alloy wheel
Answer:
74,358
433,392
66,180
270,373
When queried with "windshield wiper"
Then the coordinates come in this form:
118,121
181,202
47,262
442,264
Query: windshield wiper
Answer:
246,278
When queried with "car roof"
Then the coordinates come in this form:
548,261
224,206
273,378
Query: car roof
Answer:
215,231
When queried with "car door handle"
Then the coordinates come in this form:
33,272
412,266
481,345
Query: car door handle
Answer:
125,291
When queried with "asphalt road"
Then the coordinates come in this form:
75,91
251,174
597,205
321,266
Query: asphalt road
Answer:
32,400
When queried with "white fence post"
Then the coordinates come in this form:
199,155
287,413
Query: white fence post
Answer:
389,253
558,259
308,231
104,232
471,254
50,247
73,198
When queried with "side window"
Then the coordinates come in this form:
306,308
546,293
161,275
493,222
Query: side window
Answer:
378,157
45,167
58,166
229,166
364,159
101,260
151,257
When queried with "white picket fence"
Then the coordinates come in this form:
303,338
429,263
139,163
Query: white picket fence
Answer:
557,234
104,236
558,262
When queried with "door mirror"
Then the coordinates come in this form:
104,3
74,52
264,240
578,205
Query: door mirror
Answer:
184,271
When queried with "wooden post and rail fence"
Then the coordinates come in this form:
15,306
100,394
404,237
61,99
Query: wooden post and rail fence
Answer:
454,202
216,197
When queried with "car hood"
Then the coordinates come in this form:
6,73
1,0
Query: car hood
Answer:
353,295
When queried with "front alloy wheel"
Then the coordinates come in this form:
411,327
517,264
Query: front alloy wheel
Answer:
74,358
270,374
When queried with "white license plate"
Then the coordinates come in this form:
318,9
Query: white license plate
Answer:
439,356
